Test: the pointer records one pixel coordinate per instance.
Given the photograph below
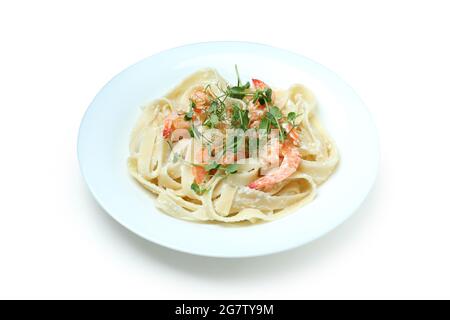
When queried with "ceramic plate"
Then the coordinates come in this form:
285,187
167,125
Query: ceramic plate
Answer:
106,127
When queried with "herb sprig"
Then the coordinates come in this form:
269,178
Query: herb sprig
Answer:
263,96
198,189
239,118
190,114
273,118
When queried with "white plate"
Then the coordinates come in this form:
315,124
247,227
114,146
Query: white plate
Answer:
105,130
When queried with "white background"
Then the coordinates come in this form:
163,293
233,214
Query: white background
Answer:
55,241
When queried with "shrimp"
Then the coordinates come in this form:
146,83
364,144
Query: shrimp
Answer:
288,166
199,172
256,112
202,157
172,122
259,84
200,99
292,133
176,121
270,154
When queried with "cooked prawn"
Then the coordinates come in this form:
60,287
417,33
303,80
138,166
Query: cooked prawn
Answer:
199,172
172,122
292,133
288,166
259,84
270,154
200,99
255,112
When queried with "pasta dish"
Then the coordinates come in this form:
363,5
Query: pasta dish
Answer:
212,151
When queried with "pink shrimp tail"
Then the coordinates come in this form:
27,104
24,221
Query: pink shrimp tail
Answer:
259,84
289,165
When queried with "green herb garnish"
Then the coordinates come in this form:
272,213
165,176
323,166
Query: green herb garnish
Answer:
237,75
275,112
264,124
198,189
272,118
231,168
191,132
238,92
263,96
212,121
188,115
239,118
212,166
215,114
292,116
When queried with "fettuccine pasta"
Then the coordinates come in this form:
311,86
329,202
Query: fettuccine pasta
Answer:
278,153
